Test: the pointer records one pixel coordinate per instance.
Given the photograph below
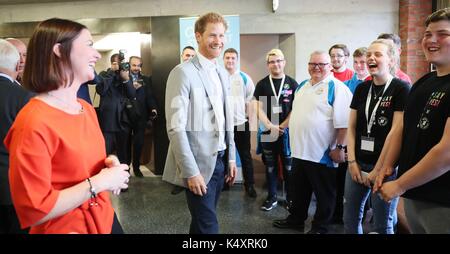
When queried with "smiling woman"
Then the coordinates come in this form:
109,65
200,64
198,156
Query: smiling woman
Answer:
59,172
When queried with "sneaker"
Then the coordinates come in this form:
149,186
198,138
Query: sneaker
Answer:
250,190
269,204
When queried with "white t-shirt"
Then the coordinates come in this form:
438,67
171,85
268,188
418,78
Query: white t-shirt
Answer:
316,113
242,93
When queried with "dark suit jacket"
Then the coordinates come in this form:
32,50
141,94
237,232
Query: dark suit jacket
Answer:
12,98
112,93
145,99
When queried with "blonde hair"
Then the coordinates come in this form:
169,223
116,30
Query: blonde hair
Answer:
392,53
274,52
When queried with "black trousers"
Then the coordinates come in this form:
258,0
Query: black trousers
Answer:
138,136
308,177
340,184
118,141
242,142
116,227
9,223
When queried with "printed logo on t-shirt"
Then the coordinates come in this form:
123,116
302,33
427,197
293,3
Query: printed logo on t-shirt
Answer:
286,86
286,93
383,121
424,123
320,91
433,103
386,102
435,99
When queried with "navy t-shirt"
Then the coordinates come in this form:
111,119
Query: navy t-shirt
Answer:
264,93
426,113
393,99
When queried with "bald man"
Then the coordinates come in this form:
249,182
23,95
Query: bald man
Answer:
22,48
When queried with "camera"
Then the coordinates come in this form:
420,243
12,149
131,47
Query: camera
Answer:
123,66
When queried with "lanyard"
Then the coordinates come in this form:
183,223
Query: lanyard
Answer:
371,121
273,87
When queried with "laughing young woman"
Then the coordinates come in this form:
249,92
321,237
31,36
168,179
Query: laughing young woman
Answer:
376,114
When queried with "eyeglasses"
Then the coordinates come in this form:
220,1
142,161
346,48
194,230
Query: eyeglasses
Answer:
320,65
337,56
275,61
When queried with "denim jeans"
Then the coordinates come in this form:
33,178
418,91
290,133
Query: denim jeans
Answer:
271,152
355,198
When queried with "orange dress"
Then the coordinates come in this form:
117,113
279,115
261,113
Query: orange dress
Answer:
49,151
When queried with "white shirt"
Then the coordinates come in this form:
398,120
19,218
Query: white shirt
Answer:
313,122
242,93
217,99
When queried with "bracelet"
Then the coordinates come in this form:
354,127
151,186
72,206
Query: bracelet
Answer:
93,201
352,161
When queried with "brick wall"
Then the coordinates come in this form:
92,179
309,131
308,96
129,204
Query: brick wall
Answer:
412,17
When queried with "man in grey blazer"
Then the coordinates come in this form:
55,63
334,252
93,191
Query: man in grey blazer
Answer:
201,152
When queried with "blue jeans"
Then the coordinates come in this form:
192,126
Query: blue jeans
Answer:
271,152
355,198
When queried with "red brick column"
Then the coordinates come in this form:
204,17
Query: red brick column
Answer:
412,15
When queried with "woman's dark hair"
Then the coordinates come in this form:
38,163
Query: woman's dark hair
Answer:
44,70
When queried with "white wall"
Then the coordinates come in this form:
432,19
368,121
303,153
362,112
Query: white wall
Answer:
317,24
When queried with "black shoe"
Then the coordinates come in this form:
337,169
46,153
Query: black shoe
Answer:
288,223
176,189
138,173
315,231
250,190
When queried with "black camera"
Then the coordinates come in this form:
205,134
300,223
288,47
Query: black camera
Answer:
123,66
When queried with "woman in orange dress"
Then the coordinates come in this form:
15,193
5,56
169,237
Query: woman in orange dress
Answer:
59,175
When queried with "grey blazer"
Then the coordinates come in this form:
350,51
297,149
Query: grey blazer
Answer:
191,123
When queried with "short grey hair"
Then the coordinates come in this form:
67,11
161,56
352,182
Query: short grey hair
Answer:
321,52
9,56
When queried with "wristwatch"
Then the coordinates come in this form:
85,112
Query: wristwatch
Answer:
341,146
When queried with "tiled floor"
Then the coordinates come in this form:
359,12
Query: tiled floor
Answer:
149,208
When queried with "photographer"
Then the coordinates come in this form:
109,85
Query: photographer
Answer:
147,110
114,86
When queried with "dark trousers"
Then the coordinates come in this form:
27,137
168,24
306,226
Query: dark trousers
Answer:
116,227
340,184
9,223
203,208
271,153
242,141
118,141
308,177
138,137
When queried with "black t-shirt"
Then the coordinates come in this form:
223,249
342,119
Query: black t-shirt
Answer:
426,113
393,99
264,93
